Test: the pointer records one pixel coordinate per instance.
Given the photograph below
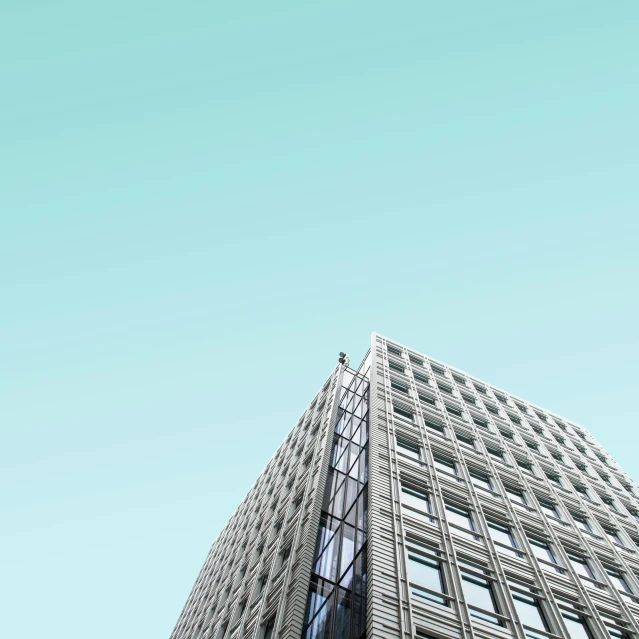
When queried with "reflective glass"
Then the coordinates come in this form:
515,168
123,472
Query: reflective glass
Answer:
415,498
528,611
459,517
576,626
501,534
478,593
426,572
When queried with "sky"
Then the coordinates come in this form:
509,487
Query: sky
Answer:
201,204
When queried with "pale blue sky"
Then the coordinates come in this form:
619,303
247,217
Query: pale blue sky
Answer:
201,205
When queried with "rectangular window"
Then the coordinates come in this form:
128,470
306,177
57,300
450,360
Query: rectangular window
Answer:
582,523
542,550
445,388
420,377
581,567
415,498
480,480
447,465
495,452
480,598
613,535
549,508
400,387
530,613
461,520
409,449
396,366
516,496
437,369
465,439
453,410
416,360
619,582
426,399
576,625
426,572
502,534
480,422
434,425
403,412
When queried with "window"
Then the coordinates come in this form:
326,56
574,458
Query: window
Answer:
445,387
420,377
515,495
461,520
491,408
514,419
542,550
549,508
582,523
529,611
480,480
415,498
427,399
468,399
619,582
446,465
480,422
403,412
434,425
613,535
558,456
268,628
581,566
469,441
526,465
286,553
501,398
479,388
576,625
458,379
553,477
409,449
453,410
507,434
437,369
480,598
400,387
416,360
531,445
495,451
502,534
396,366
426,571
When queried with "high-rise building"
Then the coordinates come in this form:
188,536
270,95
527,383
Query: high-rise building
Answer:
412,499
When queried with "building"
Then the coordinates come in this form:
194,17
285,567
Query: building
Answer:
414,500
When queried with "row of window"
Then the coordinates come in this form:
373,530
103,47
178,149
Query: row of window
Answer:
470,399
497,452
518,497
507,434
429,582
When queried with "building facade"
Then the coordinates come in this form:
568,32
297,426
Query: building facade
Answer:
414,500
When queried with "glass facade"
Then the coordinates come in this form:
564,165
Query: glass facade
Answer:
337,595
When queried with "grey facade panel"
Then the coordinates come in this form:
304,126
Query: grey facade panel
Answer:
488,516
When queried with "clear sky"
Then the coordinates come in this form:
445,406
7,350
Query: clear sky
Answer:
202,203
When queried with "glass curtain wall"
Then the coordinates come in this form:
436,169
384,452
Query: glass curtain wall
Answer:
336,607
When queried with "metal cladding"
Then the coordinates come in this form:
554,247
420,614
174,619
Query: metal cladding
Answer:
414,500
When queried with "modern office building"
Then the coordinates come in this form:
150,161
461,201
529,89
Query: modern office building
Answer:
412,499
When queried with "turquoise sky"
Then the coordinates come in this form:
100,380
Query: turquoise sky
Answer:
202,204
